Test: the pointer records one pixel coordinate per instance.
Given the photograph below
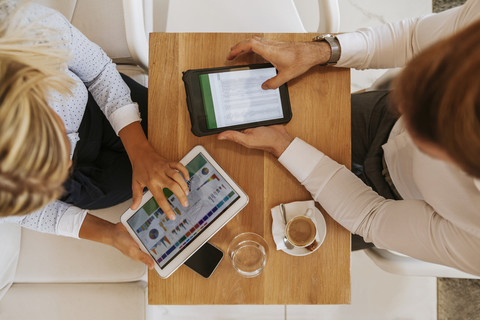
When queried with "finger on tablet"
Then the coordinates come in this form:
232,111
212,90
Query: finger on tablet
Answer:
178,178
180,167
137,193
163,203
178,191
138,255
275,82
145,258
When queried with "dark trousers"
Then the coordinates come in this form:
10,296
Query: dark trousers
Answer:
373,117
102,174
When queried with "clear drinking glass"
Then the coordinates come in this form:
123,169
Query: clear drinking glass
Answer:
248,253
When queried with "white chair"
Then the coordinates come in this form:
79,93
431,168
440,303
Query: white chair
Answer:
247,16
51,277
397,263
103,23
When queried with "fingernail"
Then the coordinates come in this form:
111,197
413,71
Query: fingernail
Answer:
173,217
265,87
185,203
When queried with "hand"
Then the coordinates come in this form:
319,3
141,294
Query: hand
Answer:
153,171
122,241
291,59
96,229
156,173
273,139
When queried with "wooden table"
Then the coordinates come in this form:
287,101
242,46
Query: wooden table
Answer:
320,102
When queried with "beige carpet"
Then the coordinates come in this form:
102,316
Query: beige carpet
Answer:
458,299
440,5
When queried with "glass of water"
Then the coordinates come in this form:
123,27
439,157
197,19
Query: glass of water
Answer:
248,253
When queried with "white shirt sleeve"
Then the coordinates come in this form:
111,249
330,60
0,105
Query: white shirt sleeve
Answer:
411,227
55,218
394,44
92,65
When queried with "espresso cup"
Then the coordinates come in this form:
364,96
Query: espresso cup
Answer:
301,231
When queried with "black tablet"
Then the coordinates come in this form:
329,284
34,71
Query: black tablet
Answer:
231,98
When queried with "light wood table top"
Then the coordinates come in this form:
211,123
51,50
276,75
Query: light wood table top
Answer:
320,102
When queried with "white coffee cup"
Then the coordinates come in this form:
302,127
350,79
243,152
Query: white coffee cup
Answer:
301,231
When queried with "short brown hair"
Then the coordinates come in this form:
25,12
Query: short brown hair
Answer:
438,93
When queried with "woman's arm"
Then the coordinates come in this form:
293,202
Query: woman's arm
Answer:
115,235
56,217
66,220
91,64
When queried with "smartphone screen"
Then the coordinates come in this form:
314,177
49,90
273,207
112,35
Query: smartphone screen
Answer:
236,97
205,260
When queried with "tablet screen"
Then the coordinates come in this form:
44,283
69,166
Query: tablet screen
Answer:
210,195
236,97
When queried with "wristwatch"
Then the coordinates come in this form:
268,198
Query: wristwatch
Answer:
334,45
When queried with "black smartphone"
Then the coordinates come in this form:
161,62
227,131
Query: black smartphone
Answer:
205,260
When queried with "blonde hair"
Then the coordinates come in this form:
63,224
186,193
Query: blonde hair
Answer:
34,155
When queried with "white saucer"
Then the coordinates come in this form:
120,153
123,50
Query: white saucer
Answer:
321,232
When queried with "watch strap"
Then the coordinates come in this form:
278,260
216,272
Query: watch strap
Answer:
334,46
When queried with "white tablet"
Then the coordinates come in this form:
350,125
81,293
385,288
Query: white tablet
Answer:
214,199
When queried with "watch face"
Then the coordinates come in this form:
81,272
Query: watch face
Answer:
321,37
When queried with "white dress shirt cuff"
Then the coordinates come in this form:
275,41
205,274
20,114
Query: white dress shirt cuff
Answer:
71,221
124,116
300,159
352,44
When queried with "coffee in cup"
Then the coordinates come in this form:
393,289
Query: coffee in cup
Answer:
301,231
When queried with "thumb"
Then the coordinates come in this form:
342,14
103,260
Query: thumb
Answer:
146,259
234,136
275,82
137,194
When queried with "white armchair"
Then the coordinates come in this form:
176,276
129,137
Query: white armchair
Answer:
50,277
396,263
103,23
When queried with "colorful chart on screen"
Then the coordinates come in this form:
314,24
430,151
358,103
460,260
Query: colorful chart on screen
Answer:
210,196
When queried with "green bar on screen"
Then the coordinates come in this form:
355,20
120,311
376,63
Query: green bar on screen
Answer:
208,101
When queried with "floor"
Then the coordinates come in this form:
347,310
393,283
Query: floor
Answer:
375,293
458,299
441,5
